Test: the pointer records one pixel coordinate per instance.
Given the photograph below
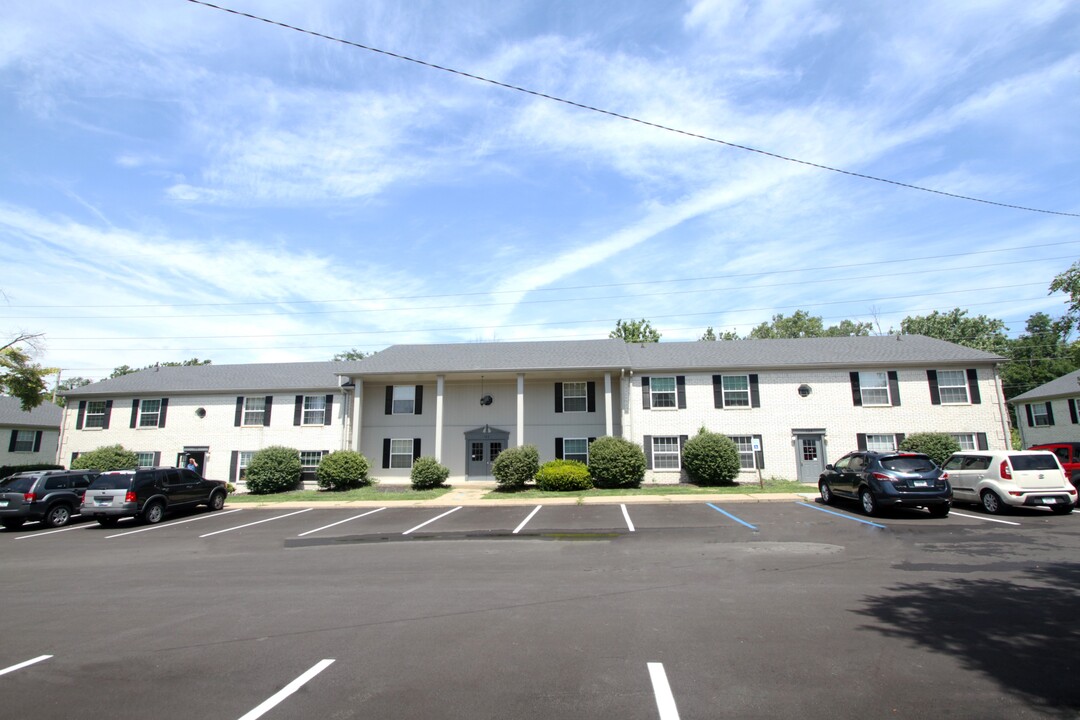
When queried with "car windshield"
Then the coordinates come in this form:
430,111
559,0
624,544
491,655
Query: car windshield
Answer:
111,481
1033,462
17,484
908,463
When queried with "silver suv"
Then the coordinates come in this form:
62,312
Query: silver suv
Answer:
1000,479
51,496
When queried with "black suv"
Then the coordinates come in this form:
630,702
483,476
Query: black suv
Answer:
895,479
51,496
147,493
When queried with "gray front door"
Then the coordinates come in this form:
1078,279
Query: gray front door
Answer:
482,446
810,457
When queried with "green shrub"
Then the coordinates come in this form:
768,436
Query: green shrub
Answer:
938,446
563,475
427,473
342,470
109,457
616,463
516,466
272,470
711,459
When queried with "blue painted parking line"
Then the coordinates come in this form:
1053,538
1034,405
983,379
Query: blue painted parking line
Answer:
725,512
848,517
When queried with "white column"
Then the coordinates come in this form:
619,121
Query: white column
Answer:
440,388
358,413
609,424
521,409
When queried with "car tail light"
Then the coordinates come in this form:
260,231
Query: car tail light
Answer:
944,476
882,476
1006,471
130,497
29,497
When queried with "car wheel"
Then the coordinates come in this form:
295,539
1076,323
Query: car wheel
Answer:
992,503
869,502
217,500
58,516
939,511
827,496
153,513
1062,509
106,521
13,523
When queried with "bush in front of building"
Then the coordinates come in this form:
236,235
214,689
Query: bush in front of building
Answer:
273,469
616,463
516,466
563,475
711,459
427,473
939,446
343,470
105,458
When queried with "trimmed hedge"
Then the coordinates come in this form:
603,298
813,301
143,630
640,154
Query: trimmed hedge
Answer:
108,457
616,463
938,446
427,473
342,470
711,459
563,475
273,469
516,466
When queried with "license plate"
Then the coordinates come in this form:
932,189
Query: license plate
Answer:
3,503
103,500
1049,501
921,483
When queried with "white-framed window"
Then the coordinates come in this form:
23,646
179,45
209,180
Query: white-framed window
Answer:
575,397
576,449
881,443
874,388
745,445
243,459
309,459
966,441
314,410
404,402
149,413
662,390
665,452
736,389
24,440
254,410
95,414
145,459
952,386
401,452
1040,416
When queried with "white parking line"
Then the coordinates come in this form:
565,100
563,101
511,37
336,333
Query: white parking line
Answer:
626,515
53,532
665,701
354,517
257,522
286,691
526,520
178,522
431,520
981,517
21,665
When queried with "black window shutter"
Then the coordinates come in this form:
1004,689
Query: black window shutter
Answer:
1072,411
718,392
328,414
234,463
1030,417
973,386
856,395
108,414
14,439
239,411
1049,412
591,440
80,416
269,407
759,455
415,448
935,393
680,390
389,400
646,401
298,410
37,440
134,412
74,456
983,445
755,398
161,413
558,449
894,388
418,407
386,452
157,457
647,442
558,397
899,439
590,393
860,441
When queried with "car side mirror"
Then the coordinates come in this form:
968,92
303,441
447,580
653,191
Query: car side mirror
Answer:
829,467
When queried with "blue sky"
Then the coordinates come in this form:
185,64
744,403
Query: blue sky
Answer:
178,181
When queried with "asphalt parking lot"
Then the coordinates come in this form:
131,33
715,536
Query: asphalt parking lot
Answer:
691,610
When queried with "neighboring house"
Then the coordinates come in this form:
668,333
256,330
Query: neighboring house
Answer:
28,437
790,405
1051,412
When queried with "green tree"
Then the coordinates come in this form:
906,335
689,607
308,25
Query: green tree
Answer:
108,457
352,354
802,324
635,331
1042,353
1069,282
69,384
121,371
127,369
20,377
939,446
709,334
981,333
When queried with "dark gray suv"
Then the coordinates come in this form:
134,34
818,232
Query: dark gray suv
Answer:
51,496
148,493
894,479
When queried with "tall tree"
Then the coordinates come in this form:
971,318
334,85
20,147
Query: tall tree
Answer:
127,369
352,354
635,331
1042,353
69,384
981,333
802,324
1069,282
20,377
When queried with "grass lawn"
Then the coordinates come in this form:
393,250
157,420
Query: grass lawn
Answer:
772,485
368,493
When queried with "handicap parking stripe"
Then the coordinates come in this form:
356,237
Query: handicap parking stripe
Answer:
725,512
848,517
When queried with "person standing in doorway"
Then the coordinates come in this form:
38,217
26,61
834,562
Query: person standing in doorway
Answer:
192,465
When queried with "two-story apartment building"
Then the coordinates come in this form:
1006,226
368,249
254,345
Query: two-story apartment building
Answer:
28,437
1050,413
790,405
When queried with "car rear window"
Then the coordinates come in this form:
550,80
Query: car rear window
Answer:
908,463
109,481
1033,462
17,484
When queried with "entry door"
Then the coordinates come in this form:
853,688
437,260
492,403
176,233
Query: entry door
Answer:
481,454
810,457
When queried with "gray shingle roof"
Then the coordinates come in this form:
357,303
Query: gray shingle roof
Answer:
45,415
493,357
214,378
1066,385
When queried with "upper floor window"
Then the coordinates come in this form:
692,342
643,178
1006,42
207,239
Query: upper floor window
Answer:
575,397
736,389
23,440
874,388
953,386
1041,415
314,410
662,391
95,414
149,413
404,402
254,411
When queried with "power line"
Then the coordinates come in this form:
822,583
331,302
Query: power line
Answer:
628,118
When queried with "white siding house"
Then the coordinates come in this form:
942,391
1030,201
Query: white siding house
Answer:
1051,412
28,437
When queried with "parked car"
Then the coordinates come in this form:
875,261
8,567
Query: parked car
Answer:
148,493
1001,479
1068,454
51,496
894,479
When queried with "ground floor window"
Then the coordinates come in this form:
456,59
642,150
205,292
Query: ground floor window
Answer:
966,441
401,452
665,453
243,460
309,459
576,449
881,443
146,459
745,445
